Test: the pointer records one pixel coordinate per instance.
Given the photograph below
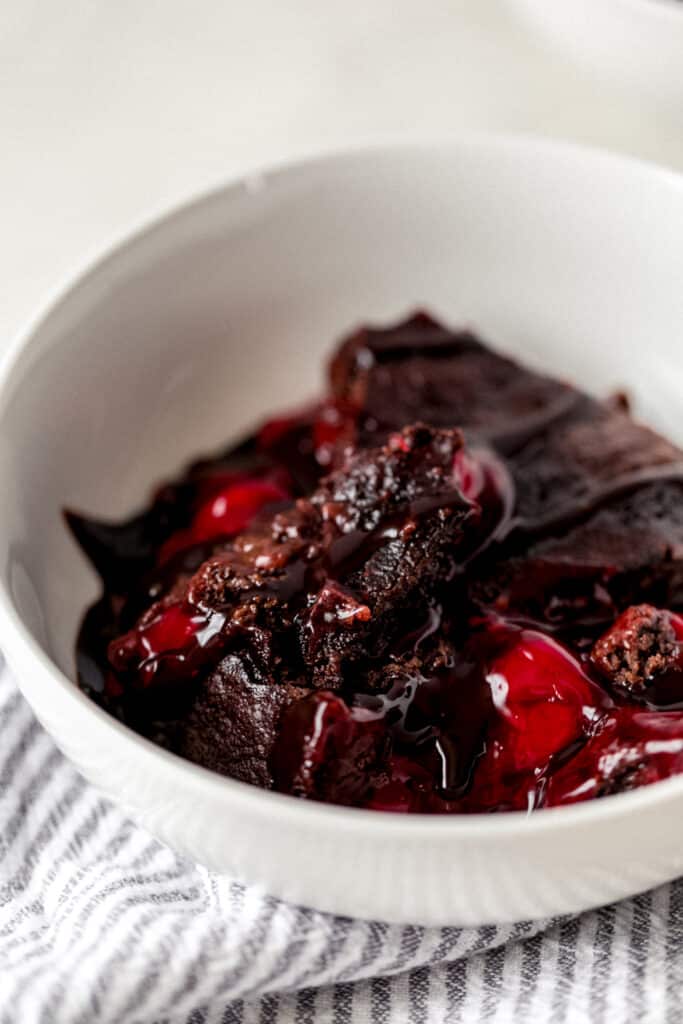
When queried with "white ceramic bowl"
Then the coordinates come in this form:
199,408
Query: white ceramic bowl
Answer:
225,310
634,43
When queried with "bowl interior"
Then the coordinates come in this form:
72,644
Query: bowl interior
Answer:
225,311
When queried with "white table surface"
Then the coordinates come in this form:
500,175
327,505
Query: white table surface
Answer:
112,109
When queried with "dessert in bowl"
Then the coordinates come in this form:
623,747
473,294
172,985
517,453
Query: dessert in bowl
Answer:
225,310
427,592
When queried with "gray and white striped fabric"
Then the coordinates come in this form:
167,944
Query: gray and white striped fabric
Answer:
101,924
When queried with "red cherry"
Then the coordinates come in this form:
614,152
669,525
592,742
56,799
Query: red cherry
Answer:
539,731
470,476
544,702
534,667
171,646
483,479
226,512
305,733
170,631
630,748
232,509
327,750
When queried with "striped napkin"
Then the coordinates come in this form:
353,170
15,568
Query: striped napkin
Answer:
102,924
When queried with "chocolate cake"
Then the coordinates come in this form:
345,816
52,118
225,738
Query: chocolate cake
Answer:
450,586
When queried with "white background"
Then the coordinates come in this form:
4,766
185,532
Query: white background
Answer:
112,109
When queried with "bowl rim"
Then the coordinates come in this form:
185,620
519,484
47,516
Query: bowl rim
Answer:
21,648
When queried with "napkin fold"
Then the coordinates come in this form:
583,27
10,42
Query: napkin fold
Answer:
102,924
